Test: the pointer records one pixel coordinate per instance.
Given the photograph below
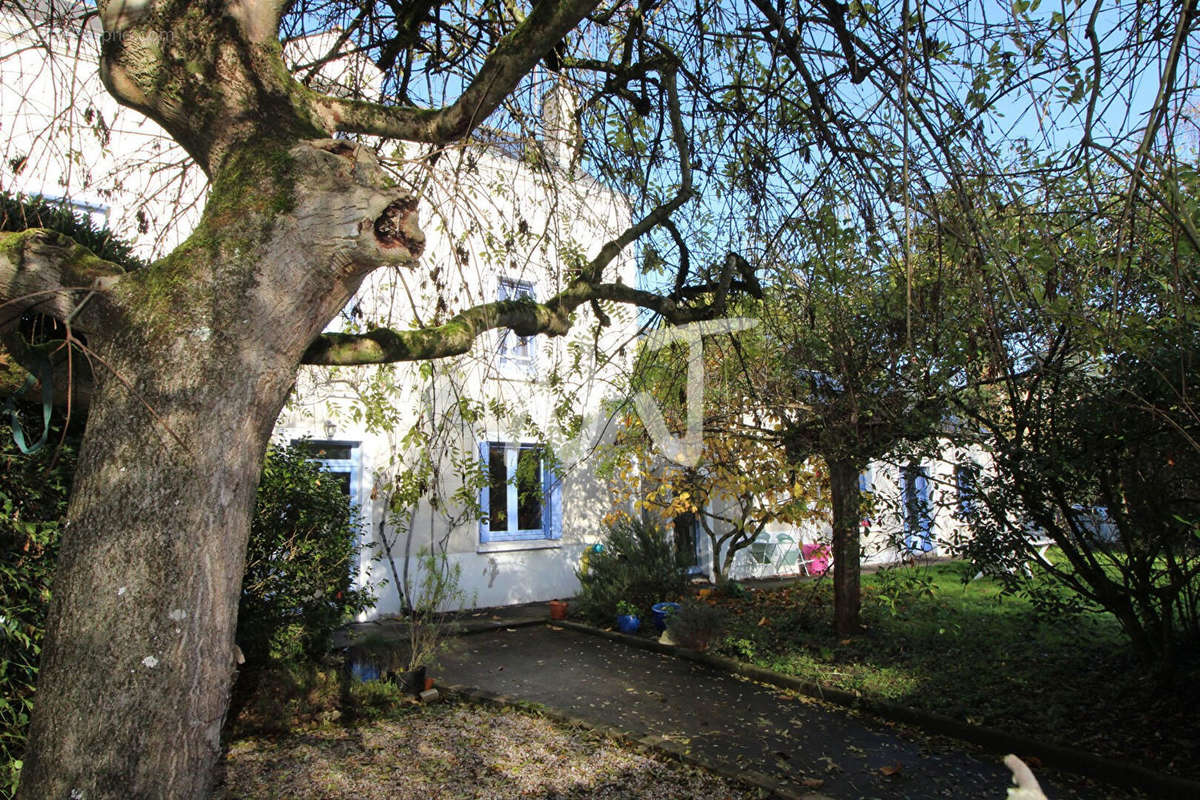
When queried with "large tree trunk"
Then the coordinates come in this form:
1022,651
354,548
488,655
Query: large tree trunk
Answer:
847,570
198,353
141,647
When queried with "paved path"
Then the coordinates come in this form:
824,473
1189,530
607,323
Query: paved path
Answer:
814,747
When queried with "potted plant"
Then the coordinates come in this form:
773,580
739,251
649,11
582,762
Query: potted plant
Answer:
662,612
438,589
627,617
695,625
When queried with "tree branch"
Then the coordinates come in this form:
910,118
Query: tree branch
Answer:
527,318
524,317
505,66
44,271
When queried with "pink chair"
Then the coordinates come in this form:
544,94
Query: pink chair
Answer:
817,558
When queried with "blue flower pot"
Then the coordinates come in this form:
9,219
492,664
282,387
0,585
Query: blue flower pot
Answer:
628,623
661,611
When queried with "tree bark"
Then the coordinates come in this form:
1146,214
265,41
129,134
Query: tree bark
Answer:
847,569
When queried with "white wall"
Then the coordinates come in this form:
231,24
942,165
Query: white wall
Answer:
486,217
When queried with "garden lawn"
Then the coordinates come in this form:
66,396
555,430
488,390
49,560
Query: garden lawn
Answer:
961,649
450,750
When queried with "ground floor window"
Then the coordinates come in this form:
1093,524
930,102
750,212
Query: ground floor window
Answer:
918,516
342,460
522,497
686,529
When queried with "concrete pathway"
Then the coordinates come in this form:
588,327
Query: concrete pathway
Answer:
814,748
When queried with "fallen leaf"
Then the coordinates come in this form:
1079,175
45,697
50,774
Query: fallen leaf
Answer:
812,783
891,769
762,622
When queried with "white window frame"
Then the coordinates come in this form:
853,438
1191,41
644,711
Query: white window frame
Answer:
351,466
551,483
515,289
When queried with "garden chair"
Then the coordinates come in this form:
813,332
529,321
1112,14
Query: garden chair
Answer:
789,554
817,558
762,552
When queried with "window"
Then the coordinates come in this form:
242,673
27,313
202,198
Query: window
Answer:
687,539
966,481
343,460
522,498
918,520
866,486
514,349
94,212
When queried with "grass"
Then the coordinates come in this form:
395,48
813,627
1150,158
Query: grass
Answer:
964,650
455,750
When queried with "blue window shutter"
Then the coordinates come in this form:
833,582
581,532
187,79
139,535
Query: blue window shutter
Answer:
551,501
484,495
906,506
965,486
926,509
914,482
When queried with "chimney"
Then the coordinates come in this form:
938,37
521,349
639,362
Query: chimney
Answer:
564,140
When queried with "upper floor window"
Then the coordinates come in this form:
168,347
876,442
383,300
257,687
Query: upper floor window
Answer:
522,498
514,349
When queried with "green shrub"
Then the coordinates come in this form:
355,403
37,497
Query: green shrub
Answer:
303,546
295,594
20,212
637,564
696,624
33,501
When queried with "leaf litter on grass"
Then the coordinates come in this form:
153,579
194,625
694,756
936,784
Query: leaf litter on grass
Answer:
459,751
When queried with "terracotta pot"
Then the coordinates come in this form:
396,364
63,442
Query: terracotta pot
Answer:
558,609
428,684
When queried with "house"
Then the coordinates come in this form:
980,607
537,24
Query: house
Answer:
471,457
